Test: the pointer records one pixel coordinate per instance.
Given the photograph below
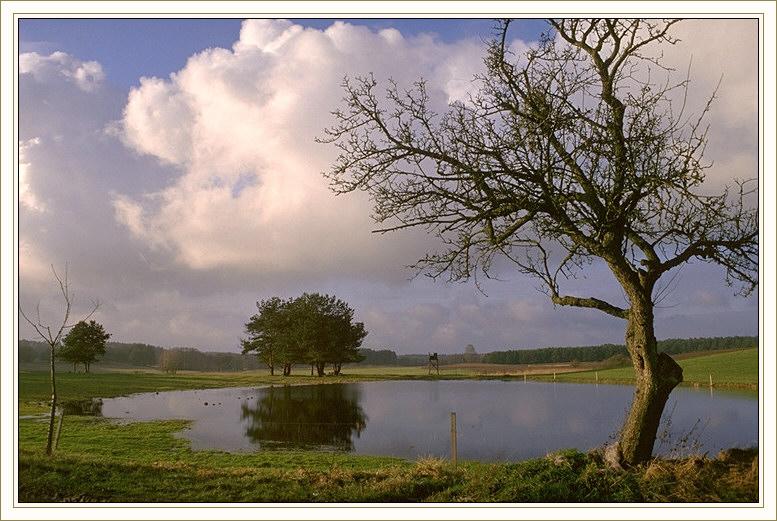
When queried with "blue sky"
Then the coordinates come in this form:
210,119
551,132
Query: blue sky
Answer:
131,48
179,202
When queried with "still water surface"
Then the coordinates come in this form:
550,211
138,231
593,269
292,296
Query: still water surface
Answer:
497,420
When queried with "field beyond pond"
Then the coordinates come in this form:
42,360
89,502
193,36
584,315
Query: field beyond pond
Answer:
100,459
730,369
738,369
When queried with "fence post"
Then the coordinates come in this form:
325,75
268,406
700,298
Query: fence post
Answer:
524,376
454,448
554,376
597,376
710,379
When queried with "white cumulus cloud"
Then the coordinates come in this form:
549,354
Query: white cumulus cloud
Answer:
241,124
213,197
87,75
26,194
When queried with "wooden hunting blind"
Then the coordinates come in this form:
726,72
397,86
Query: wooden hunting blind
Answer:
434,363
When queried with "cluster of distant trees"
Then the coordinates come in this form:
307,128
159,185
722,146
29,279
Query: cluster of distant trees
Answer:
605,351
84,344
116,353
139,355
312,329
377,357
190,359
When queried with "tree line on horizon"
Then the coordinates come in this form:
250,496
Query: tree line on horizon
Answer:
190,359
604,351
150,356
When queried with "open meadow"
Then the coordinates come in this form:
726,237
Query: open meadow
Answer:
731,369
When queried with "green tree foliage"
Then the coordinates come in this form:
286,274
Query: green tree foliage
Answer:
84,344
377,356
268,334
314,329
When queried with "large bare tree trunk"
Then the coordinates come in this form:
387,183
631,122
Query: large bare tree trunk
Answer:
656,376
50,437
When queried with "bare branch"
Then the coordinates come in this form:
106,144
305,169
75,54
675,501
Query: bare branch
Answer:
590,302
573,146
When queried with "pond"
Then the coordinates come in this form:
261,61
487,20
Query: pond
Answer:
497,420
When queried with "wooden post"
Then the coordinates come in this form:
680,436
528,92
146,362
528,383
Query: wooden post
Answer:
554,376
597,376
710,379
454,448
59,428
524,376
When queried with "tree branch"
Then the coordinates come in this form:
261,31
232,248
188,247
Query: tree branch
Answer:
590,302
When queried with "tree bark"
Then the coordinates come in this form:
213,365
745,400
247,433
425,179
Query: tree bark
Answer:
656,375
286,369
320,366
50,437
336,368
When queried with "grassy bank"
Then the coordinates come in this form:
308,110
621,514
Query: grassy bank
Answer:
736,369
101,460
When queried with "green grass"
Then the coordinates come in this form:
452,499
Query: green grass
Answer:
103,460
730,369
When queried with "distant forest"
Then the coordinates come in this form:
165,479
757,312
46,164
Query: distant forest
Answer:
119,354
603,352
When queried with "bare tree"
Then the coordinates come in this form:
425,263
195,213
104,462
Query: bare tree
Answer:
52,335
567,155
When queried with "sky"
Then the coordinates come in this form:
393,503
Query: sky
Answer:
172,164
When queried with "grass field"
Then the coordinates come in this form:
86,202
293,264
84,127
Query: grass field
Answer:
731,369
104,460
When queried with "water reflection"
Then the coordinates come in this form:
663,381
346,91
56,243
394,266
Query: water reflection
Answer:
326,416
82,407
497,420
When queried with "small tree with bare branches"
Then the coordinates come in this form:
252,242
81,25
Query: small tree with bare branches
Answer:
52,335
567,155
